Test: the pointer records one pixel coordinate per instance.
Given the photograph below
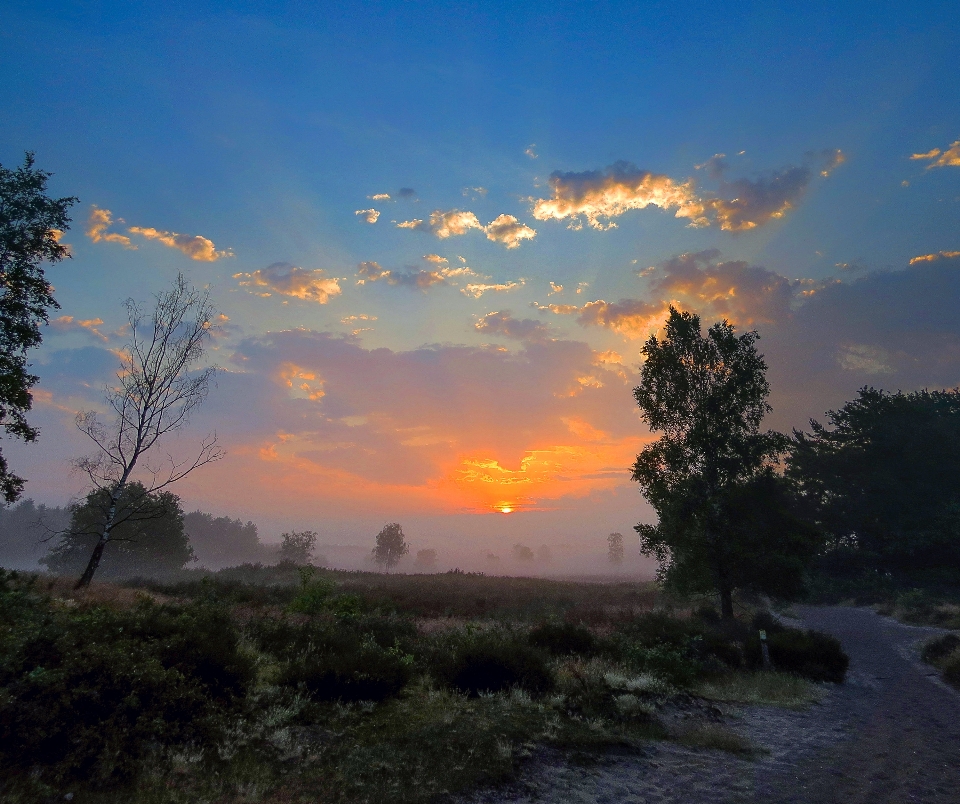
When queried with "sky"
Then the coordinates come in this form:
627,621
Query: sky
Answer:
438,234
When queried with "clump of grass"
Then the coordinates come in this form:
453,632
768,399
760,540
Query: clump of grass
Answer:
943,652
763,688
716,737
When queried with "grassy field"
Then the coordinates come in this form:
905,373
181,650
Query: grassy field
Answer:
288,684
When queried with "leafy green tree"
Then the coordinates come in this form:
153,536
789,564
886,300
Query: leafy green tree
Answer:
297,546
882,480
31,225
724,516
148,536
391,545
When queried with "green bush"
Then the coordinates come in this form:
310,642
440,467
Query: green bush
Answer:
490,662
939,648
951,669
810,654
563,639
675,665
88,693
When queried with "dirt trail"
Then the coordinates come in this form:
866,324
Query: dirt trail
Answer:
889,735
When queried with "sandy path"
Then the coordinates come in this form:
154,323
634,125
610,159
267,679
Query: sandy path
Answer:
890,734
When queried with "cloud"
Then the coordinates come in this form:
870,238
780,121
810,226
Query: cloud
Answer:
599,196
407,193
195,247
555,288
284,279
97,224
369,215
506,229
937,256
379,197
349,319
715,166
67,323
502,322
756,202
421,280
477,289
633,318
530,151
937,158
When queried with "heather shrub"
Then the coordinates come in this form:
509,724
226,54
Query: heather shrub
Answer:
490,661
939,648
951,669
563,638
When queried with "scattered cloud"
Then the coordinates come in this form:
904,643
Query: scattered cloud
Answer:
421,280
407,193
379,197
476,290
195,247
90,326
506,229
949,157
97,224
284,279
715,166
369,215
475,191
555,288
531,152
349,319
937,256
599,196
502,322
632,318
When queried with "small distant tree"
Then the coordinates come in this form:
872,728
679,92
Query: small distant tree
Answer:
426,559
522,553
31,224
615,548
298,546
148,535
391,546
158,387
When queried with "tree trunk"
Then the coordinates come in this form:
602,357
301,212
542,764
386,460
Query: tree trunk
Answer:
726,602
94,561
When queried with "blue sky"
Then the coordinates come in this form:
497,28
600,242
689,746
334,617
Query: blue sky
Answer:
264,131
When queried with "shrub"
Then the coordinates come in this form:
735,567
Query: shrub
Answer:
939,648
563,639
951,669
810,654
675,665
656,628
491,662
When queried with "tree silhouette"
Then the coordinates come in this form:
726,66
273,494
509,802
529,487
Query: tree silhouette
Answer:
157,389
391,546
615,548
298,546
31,225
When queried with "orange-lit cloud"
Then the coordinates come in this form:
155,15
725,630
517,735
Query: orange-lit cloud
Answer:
937,256
502,322
195,247
89,326
97,224
632,318
369,215
506,229
422,279
284,279
477,289
950,157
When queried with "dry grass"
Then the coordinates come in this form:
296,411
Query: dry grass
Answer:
763,688
716,737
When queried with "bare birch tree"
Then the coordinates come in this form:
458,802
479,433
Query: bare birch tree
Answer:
158,387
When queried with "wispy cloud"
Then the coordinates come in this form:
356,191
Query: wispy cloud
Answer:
936,256
97,224
196,247
949,157
502,322
531,151
369,215
476,290
284,279
90,326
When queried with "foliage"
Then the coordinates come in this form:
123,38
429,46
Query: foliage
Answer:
951,669
615,548
883,482
810,654
391,545
939,648
563,638
223,542
490,661
297,546
707,395
158,388
148,537
31,225
90,693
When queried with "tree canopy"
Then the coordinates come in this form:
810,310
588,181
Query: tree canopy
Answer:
31,225
726,520
148,536
391,545
882,480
